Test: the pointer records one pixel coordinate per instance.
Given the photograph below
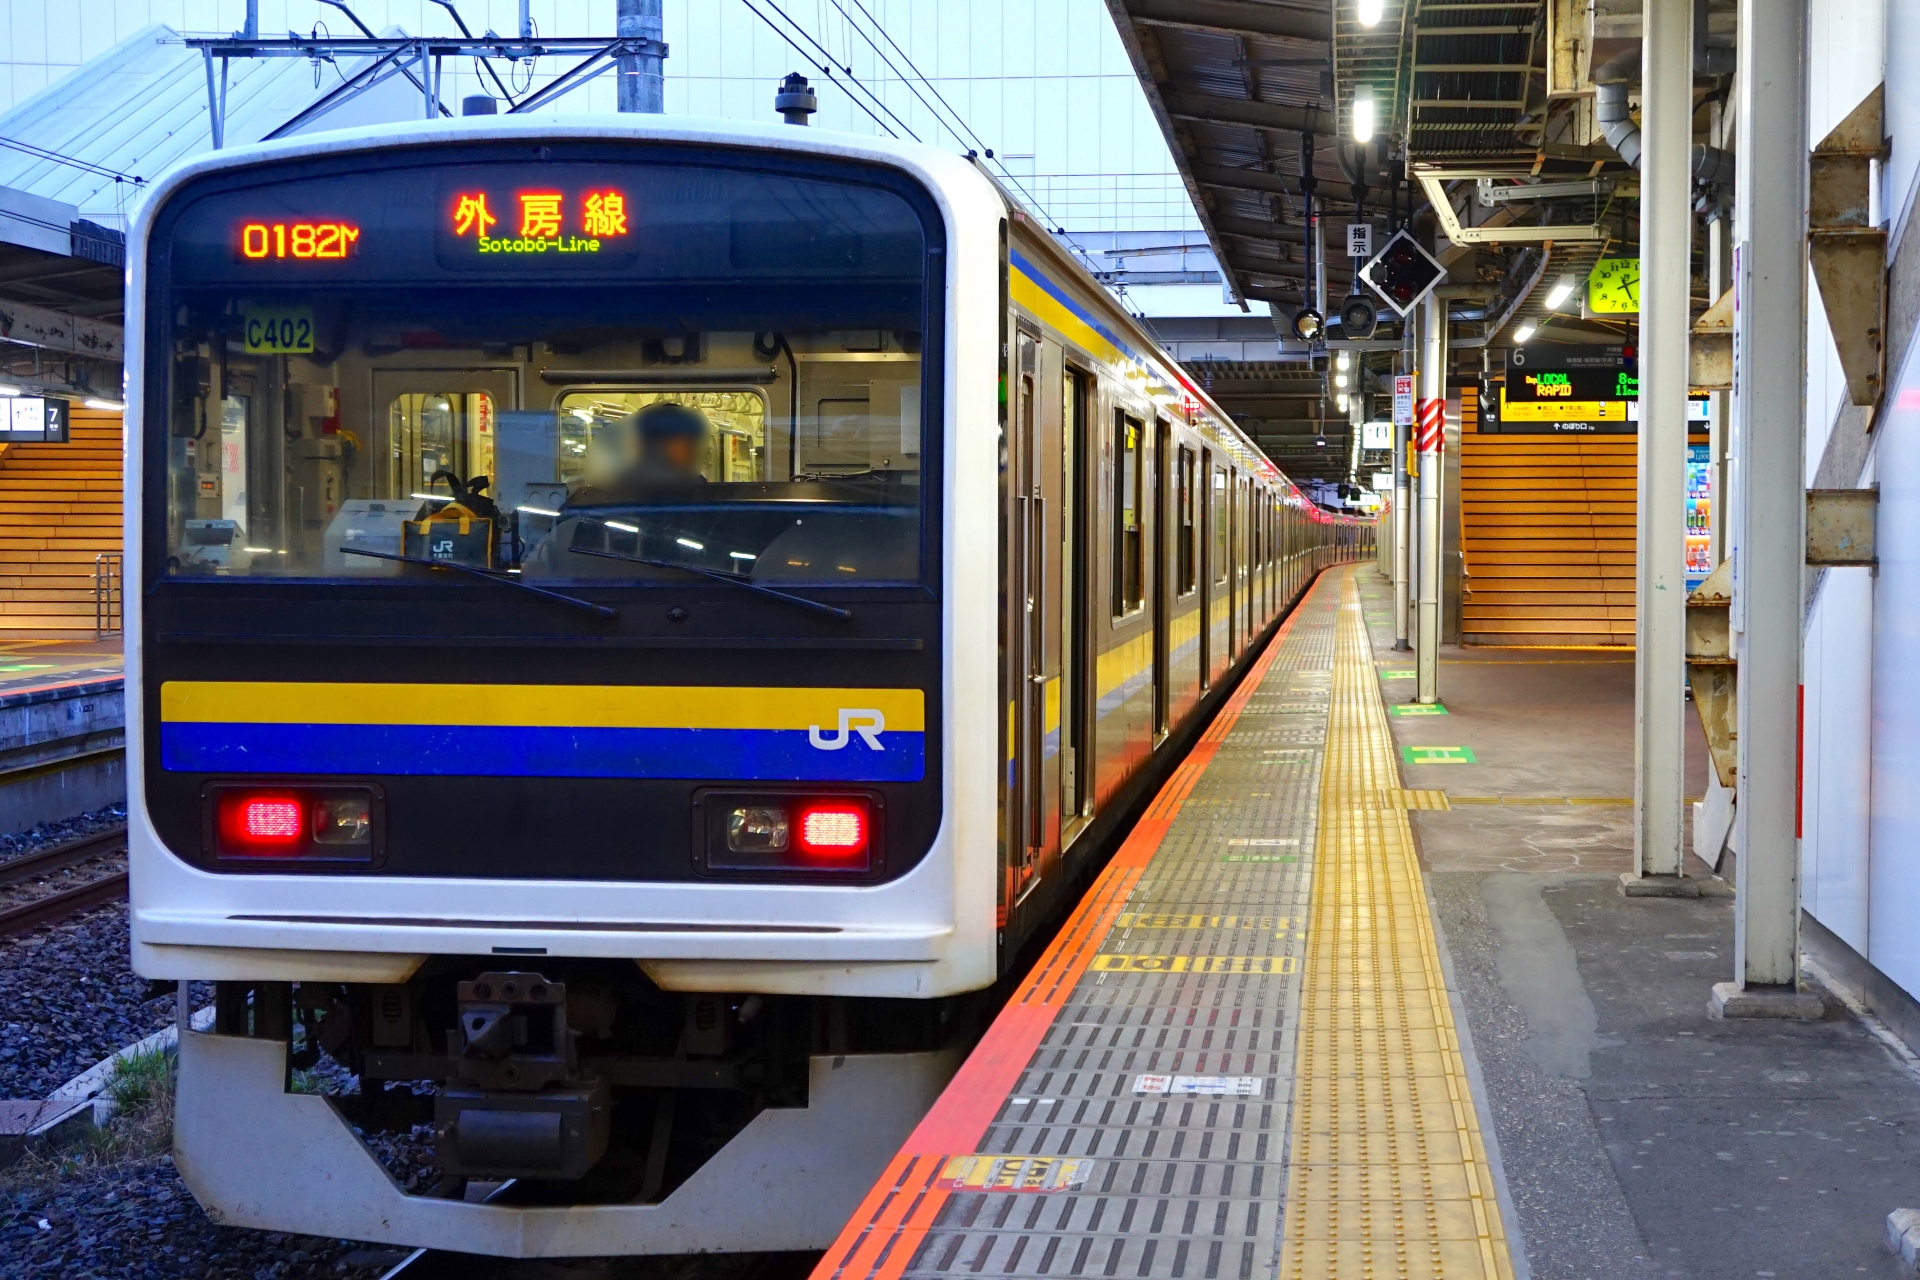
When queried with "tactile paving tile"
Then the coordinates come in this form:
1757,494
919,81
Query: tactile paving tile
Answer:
1387,1175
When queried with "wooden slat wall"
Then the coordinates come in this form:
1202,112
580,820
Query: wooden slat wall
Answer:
59,508
1547,532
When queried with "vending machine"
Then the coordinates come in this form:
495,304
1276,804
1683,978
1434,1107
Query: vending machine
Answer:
1699,515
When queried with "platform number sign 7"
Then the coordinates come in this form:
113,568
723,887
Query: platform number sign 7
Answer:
1402,273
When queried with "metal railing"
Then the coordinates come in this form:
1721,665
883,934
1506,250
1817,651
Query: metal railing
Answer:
108,585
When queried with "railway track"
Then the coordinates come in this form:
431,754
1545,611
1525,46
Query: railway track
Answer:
57,906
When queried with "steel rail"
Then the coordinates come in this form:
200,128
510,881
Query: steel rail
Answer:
14,870
58,906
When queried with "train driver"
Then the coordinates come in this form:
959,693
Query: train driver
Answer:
673,442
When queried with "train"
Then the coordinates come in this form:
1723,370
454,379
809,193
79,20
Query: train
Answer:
639,623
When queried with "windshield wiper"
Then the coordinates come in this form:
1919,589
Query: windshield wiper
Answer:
572,602
831,611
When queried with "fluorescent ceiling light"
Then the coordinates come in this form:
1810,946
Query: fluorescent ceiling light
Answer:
6,390
539,511
1368,11
432,497
1363,116
1341,400
1340,380
741,555
691,545
1561,291
1343,359
624,528
112,405
1524,332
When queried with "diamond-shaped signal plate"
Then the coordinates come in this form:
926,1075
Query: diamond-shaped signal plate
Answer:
1402,273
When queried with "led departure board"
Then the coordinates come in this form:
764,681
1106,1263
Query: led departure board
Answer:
499,222
300,241
1555,388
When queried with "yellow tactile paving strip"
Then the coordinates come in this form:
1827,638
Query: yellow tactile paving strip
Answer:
1388,1177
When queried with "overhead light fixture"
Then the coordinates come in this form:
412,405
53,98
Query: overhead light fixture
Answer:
1341,400
1524,332
1363,115
1320,442
1562,290
113,406
1340,381
1368,11
6,390
1343,360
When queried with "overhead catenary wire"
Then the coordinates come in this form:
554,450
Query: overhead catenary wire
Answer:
846,65
958,126
825,68
55,157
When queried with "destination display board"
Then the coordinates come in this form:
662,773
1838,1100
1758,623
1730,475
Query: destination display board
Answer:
1566,387
1552,388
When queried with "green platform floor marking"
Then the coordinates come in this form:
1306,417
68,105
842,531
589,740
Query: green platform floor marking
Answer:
1397,673
1417,709
1438,755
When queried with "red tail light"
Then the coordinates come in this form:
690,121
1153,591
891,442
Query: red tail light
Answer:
833,833
267,821
333,824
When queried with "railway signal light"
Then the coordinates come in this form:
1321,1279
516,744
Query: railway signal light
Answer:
1402,273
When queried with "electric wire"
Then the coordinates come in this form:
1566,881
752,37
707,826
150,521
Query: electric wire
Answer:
827,67
846,65
55,157
964,130
826,70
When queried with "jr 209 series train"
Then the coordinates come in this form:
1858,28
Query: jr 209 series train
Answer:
638,620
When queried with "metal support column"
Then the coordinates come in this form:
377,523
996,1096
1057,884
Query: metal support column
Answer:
1402,496
1430,426
641,76
1769,539
1666,264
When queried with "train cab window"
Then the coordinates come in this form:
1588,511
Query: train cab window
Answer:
1189,548
1221,527
726,377
1129,543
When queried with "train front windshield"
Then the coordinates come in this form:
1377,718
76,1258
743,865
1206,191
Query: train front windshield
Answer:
564,369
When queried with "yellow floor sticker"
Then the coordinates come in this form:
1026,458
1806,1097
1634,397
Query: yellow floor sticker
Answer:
1388,1176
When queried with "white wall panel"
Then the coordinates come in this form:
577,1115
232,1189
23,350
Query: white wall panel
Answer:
1894,875
1838,758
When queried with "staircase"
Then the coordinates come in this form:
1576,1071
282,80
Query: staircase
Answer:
59,509
1547,532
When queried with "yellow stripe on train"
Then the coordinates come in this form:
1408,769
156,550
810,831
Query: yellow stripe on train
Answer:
541,705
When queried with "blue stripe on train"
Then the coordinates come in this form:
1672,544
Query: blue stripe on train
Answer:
745,755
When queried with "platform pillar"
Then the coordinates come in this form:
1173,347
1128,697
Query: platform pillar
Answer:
1402,498
1430,429
1768,538
1666,264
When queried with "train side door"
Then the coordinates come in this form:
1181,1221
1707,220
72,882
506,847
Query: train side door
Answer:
1043,702
1209,557
1160,578
1076,596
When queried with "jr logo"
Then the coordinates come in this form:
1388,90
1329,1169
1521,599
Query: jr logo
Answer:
865,721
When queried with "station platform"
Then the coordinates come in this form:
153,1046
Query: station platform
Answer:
1360,997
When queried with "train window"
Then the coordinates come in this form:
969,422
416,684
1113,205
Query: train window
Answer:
1128,543
1221,545
665,387
1189,548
